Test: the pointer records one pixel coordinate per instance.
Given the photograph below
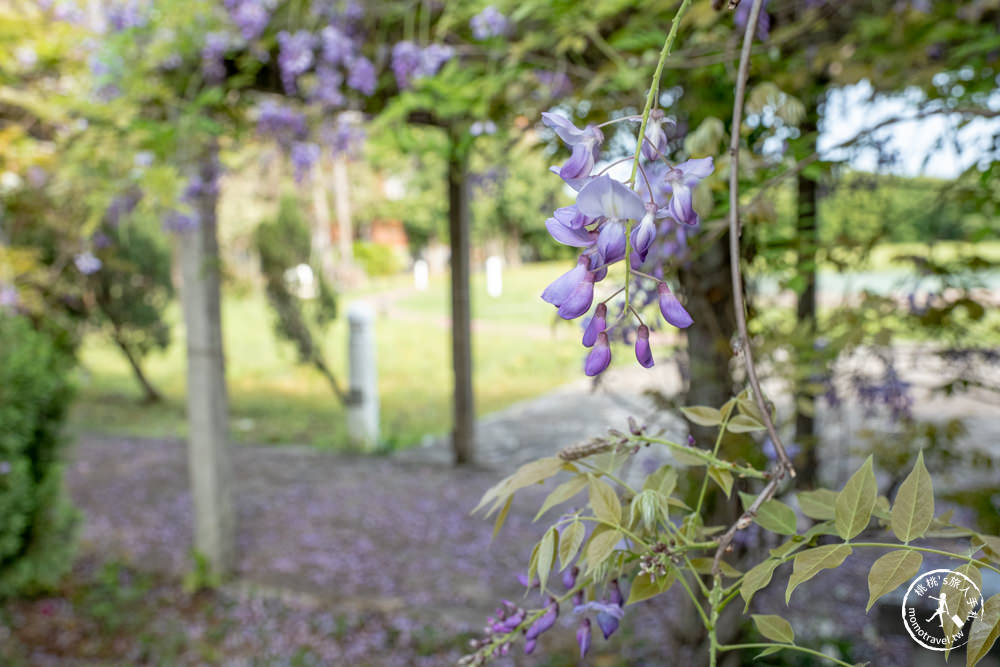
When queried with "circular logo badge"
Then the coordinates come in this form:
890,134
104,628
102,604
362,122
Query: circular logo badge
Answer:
938,608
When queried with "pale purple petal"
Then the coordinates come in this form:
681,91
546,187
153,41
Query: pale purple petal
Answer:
562,126
583,637
544,622
597,324
563,286
607,197
580,163
571,217
578,238
696,169
611,241
673,311
579,300
643,235
599,358
642,351
682,206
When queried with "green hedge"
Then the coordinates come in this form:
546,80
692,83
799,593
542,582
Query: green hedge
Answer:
37,521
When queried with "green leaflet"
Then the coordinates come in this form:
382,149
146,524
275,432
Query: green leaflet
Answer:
774,628
562,493
757,578
773,515
703,415
723,478
811,562
604,501
891,571
984,632
569,543
913,508
817,504
855,502
547,555
643,588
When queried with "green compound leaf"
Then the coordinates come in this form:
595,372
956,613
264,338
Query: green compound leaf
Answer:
818,504
774,628
855,502
984,632
664,480
703,415
757,578
569,542
891,571
526,475
811,562
913,508
604,501
562,493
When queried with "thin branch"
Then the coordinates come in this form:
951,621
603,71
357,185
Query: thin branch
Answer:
734,239
784,464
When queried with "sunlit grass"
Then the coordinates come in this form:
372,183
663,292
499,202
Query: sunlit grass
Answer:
517,355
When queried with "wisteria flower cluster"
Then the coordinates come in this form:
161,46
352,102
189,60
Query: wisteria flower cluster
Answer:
612,221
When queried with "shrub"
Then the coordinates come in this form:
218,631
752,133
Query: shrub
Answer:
377,259
37,521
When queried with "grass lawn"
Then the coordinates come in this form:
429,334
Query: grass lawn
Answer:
517,355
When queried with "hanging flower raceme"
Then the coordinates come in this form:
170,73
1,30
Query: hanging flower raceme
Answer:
643,219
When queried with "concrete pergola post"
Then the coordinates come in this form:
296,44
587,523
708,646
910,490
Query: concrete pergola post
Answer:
207,406
362,397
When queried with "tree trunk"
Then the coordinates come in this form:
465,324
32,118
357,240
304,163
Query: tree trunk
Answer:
463,433
706,282
208,419
322,249
806,244
149,392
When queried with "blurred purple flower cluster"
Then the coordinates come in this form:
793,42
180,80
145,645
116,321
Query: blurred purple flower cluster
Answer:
488,23
250,16
657,212
126,14
411,62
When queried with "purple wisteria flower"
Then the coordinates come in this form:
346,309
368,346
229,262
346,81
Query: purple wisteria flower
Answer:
583,637
295,57
303,156
488,23
343,137
609,612
742,15
585,144
604,197
542,624
178,222
281,123
86,263
405,63
9,297
328,83
361,75
598,323
250,16
126,14
671,308
338,48
600,356
643,353
681,181
213,64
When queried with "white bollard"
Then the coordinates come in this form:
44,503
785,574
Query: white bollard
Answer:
362,398
494,277
420,274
